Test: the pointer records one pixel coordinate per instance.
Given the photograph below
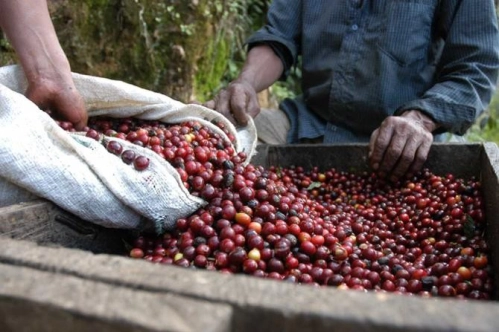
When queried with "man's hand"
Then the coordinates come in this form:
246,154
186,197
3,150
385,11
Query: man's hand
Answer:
236,102
239,99
61,97
401,144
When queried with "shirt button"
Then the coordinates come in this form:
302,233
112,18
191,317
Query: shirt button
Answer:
355,27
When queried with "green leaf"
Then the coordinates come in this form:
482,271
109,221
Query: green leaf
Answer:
314,185
127,245
279,172
469,227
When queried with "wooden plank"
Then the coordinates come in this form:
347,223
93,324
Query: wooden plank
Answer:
44,223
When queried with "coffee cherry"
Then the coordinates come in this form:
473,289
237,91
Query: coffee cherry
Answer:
128,156
93,134
140,163
114,147
137,253
421,235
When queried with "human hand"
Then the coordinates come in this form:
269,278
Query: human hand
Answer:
236,102
29,28
61,97
401,144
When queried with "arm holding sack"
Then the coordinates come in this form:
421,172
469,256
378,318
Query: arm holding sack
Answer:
29,28
239,99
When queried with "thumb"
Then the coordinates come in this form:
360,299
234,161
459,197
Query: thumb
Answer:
210,104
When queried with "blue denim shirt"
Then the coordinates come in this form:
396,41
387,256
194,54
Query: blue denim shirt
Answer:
363,60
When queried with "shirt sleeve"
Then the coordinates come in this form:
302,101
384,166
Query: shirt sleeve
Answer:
467,70
282,32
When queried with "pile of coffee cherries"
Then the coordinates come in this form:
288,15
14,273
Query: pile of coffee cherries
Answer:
422,235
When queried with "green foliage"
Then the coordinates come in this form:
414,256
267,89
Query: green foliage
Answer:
485,127
224,58
7,54
291,87
216,58
210,69
184,49
250,16
174,47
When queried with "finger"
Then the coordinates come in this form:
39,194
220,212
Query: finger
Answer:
221,104
392,152
72,108
238,105
421,156
253,108
209,104
372,143
82,123
380,144
406,158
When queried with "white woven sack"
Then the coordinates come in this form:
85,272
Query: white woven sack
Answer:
78,174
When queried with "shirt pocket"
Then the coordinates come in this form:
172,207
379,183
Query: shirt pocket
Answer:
406,34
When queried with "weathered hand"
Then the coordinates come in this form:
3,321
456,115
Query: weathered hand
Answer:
62,98
236,102
401,144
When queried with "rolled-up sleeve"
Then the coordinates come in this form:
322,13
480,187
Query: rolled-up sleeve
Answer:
282,32
467,73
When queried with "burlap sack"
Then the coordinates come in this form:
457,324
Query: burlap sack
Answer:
38,158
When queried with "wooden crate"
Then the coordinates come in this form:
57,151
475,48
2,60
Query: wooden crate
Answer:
84,283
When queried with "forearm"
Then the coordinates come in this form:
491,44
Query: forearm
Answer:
262,68
29,28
